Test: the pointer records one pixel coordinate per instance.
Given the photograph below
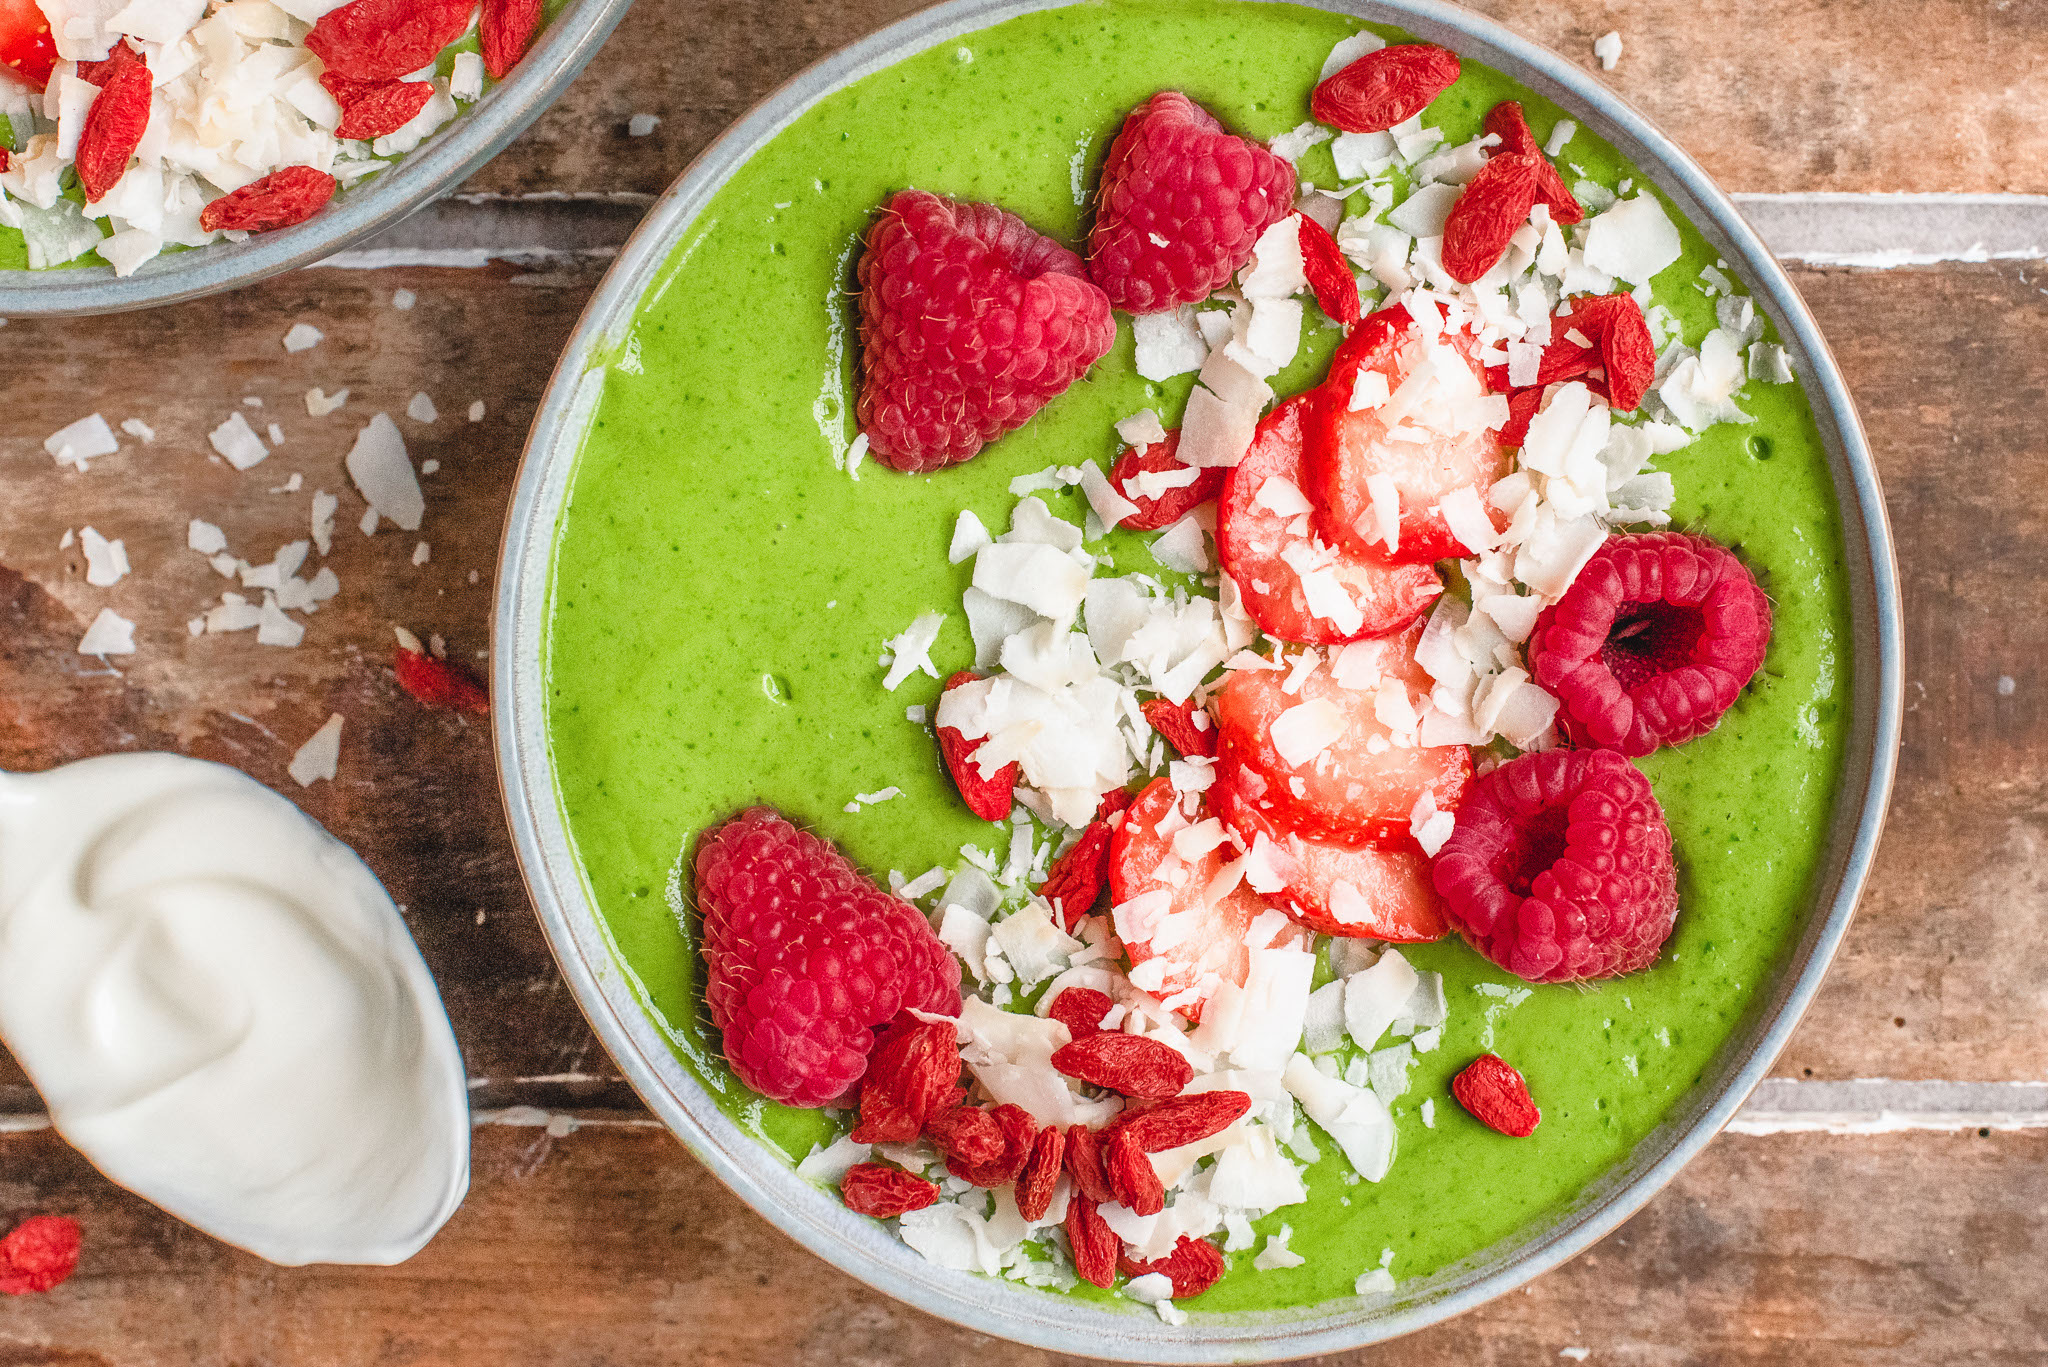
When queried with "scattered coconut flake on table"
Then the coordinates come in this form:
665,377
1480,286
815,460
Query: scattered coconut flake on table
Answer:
205,538
476,411
320,756
106,562
640,125
383,473
302,337
238,443
109,634
422,409
403,300
140,430
1607,47
82,441
319,403
421,553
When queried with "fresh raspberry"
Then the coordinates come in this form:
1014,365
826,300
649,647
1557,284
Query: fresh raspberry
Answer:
1560,867
1652,643
1181,205
806,958
38,1255
970,322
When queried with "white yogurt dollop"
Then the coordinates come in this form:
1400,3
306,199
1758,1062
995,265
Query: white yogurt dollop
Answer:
224,1011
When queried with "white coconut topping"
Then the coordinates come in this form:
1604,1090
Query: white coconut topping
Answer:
383,474
82,441
1169,343
106,562
303,337
909,651
1607,47
109,634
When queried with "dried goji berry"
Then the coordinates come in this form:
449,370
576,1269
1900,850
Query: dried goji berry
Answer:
1505,121
1075,884
1563,359
381,40
1081,1010
1177,723
1131,1174
967,1134
1014,1132
1041,1173
1384,88
118,59
1628,352
113,128
882,1191
1184,1119
1194,1265
1497,1097
1168,506
282,198
39,1255
370,109
437,683
1522,407
1329,274
1491,208
911,1077
1093,1243
987,797
505,32
1084,1163
1134,1065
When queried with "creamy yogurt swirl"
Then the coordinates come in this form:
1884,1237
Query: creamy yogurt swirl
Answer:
224,1011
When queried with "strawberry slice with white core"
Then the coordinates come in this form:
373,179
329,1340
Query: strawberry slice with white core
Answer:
1338,759
27,48
1404,420
1294,585
1365,892
1179,903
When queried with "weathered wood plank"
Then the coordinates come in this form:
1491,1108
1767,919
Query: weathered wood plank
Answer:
1944,362
1862,95
611,1245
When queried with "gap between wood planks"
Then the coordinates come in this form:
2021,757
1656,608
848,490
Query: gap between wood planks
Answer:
1867,231
564,1103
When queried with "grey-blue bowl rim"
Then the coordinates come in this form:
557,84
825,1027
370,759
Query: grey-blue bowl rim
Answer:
605,985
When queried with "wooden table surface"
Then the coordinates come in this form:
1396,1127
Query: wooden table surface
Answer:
1883,1200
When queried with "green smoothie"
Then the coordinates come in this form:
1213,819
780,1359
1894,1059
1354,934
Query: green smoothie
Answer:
722,590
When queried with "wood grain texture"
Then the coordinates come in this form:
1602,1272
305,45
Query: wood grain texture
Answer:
1939,977
1770,95
612,1245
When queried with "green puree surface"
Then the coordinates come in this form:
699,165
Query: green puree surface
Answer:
722,593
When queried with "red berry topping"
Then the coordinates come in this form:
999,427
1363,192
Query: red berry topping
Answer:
1184,1119
1506,122
1370,892
1187,728
970,322
1193,486
113,125
912,1076
381,40
1347,447
986,795
1359,790
1041,1173
1081,1010
1207,947
1093,1242
805,957
280,200
1497,1097
505,31
1181,205
1076,881
884,1192
1084,1164
1491,208
1135,1065
370,109
1131,1174
438,683
1384,88
1015,1135
1652,643
39,1255
1560,867
1296,586
1329,274
1627,350
1194,1265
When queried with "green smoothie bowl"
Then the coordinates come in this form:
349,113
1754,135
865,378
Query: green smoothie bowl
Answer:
1116,711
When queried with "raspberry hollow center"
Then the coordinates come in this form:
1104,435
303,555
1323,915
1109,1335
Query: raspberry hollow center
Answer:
1651,639
1535,846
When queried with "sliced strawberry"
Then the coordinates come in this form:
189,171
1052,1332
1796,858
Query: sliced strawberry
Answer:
1366,892
1202,944
1265,551
1347,447
26,47
1355,792
1170,505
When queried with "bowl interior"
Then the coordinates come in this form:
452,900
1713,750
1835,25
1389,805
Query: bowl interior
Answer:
482,130
606,987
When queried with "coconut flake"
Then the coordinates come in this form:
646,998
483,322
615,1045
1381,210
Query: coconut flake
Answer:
109,634
106,562
1307,729
302,337
383,473
909,651
422,409
81,441
1607,47
1633,240
1168,344
238,443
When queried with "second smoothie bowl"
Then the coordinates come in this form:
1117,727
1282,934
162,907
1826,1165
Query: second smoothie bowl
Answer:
1195,682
